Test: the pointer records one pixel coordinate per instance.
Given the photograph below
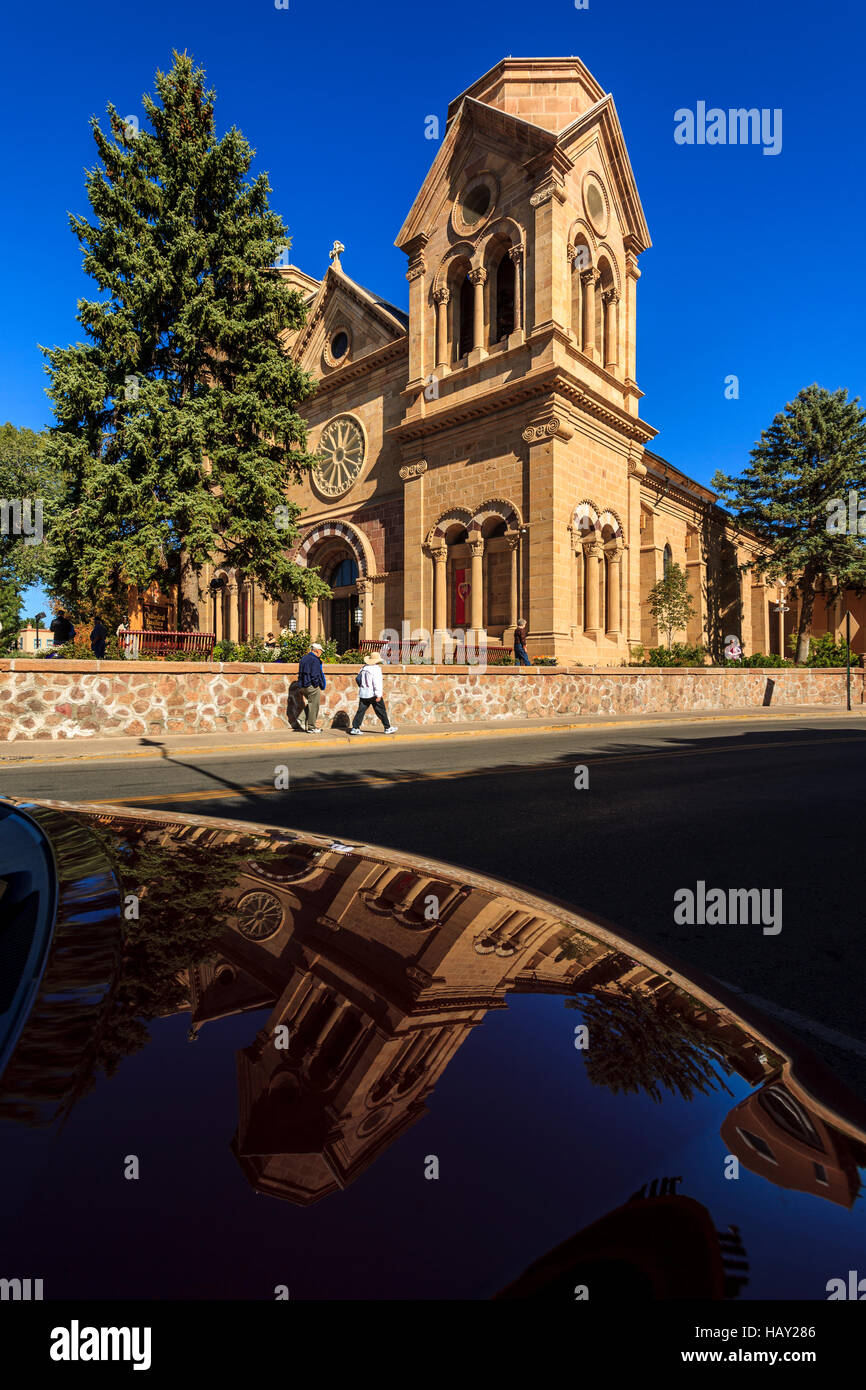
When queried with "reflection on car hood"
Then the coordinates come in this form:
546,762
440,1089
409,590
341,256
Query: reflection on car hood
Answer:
453,1087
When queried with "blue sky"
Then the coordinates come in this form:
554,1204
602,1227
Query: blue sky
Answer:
755,268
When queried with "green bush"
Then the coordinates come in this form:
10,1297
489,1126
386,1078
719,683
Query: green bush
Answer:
761,659
544,661
679,654
826,651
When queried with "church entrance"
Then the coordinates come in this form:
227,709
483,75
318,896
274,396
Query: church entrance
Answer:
344,629
341,625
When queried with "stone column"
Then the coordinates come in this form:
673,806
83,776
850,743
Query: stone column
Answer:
513,601
441,299
476,549
614,573
218,611
313,619
232,591
365,599
516,254
611,299
589,280
592,558
440,589
414,561
478,278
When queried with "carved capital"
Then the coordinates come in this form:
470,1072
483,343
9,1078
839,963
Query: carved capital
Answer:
417,266
544,429
413,470
441,296
610,297
550,188
589,278
476,549
512,540
478,275
516,254
440,554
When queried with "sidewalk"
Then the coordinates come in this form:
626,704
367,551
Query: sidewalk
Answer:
39,751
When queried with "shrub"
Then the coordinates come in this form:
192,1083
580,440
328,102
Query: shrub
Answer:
544,661
761,659
680,654
826,651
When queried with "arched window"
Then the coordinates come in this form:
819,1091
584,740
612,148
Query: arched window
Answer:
466,318
668,560
504,298
346,572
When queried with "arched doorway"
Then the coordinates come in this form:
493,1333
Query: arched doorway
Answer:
339,614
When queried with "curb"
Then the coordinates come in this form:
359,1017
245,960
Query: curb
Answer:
335,745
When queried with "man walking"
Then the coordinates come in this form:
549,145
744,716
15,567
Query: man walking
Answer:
370,693
520,653
311,679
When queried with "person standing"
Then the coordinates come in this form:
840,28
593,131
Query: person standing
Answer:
521,655
62,629
98,636
370,692
311,679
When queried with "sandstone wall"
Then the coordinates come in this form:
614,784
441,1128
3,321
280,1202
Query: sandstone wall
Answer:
86,699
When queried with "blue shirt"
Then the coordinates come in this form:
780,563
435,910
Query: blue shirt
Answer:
310,671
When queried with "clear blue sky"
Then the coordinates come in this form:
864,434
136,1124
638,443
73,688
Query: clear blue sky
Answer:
756,264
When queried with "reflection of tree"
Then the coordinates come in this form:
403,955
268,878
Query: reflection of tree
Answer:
183,912
638,1043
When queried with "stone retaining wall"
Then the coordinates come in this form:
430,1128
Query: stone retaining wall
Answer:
86,699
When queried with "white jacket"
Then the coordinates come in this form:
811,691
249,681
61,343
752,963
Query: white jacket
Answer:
371,682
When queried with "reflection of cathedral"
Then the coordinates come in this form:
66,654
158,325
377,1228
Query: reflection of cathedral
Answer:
373,969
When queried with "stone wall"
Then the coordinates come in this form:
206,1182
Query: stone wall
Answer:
86,699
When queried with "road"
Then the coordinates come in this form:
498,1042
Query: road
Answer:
732,804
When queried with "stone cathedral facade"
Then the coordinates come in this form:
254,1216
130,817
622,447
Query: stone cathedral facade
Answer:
483,456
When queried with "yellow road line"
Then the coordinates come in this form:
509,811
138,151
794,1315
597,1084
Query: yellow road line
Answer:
368,780
333,746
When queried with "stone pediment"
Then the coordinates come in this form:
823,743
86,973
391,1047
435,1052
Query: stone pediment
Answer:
477,129
600,127
343,306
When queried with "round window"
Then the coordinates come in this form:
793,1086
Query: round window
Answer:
476,204
596,204
339,345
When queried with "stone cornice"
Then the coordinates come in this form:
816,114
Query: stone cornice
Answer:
361,366
541,382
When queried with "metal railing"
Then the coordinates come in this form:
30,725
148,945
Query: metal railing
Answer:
146,643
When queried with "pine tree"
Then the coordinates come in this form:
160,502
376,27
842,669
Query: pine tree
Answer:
177,430
803,469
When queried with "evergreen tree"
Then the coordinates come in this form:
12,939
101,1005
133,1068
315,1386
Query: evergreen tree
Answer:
177,424
795,492
670,601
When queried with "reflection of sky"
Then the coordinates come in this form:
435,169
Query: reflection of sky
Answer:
529,1153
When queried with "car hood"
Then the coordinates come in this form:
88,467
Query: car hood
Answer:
446,1086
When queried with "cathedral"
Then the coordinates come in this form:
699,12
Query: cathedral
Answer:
483,457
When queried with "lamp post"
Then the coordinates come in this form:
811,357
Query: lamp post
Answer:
293,624
782,608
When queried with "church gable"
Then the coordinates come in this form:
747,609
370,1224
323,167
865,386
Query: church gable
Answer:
346,322
594,143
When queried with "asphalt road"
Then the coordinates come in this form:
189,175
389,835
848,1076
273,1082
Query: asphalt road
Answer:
734,805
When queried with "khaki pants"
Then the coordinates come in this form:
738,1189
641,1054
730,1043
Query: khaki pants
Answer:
312,695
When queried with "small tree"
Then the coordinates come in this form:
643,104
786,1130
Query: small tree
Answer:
670,601
795,493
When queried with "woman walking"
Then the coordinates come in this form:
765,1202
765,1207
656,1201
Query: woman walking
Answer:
369,682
